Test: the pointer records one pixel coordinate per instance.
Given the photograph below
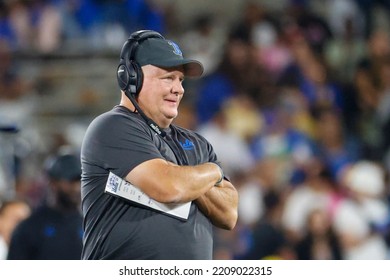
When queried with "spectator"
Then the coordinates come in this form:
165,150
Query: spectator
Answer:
204,41
37,25
312,26
231,146
382,112
361,218
367,7
348,43
320,242
80,21
54,230
268,237
318,190
236,73
281,146
336,147
368,85
318,87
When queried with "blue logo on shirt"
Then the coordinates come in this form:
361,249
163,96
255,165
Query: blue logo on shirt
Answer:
187,145
49,231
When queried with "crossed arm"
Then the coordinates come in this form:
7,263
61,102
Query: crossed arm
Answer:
220,205
170,183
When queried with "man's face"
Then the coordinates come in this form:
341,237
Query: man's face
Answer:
68,193
161,93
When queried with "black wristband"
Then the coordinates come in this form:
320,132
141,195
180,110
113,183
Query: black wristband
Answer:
222,176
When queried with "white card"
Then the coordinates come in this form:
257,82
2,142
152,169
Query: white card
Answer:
120,187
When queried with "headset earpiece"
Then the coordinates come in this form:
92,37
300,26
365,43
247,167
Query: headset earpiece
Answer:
130,78
129,72
122,76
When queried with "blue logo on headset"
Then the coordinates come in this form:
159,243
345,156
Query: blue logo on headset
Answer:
176,49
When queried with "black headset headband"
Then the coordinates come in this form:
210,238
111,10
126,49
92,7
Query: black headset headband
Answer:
129,72
130,47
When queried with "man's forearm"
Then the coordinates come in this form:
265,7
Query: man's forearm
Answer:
170,183
220,205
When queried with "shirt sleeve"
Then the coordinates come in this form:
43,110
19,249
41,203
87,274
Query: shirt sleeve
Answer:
117,143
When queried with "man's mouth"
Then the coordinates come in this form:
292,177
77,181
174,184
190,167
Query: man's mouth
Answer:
171,100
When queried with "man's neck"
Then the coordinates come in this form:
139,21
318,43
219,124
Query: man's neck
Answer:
125,102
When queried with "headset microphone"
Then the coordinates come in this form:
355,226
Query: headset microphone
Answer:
149,121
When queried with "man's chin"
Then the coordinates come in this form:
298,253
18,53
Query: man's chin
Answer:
171,115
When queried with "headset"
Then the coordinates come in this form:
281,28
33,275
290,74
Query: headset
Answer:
129,72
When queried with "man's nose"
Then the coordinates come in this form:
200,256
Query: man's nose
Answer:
178,88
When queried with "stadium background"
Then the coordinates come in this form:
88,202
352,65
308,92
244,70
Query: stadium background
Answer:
295,99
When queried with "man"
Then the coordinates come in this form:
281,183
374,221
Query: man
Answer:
150,189
54,230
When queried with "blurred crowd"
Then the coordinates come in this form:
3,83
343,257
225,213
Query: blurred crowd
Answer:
296,103
45,26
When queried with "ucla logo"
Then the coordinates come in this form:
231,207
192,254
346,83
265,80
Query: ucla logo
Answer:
187,145
113,183
176,49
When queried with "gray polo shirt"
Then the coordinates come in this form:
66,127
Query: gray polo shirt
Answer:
115,228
